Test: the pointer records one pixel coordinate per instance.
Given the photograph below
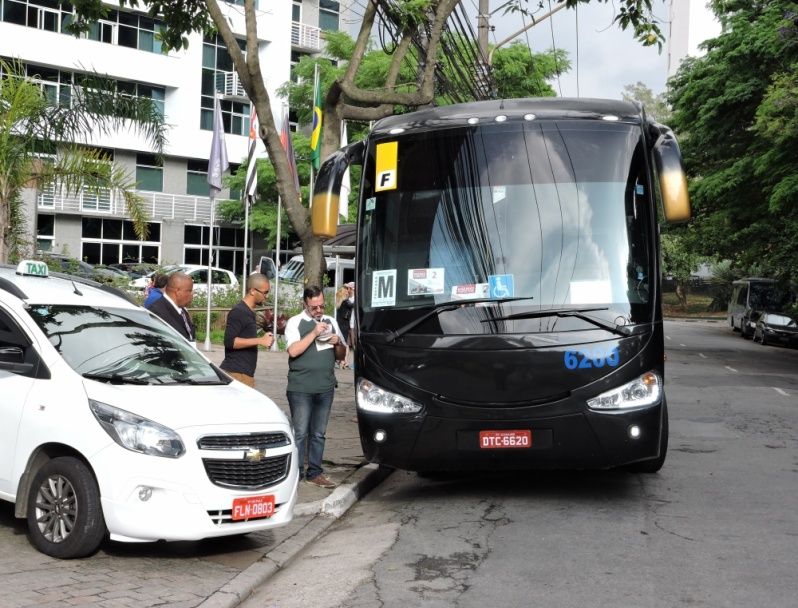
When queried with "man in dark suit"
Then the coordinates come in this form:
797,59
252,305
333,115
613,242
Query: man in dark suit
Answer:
172,306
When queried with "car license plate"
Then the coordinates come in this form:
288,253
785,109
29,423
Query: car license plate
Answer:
253,507
492,440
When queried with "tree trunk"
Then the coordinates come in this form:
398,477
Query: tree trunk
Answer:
5,228
681,293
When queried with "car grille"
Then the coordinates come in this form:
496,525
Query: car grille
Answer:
258,441
246,474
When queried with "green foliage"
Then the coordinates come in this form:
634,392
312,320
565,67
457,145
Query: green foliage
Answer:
656,105
679,261
736,115
520,73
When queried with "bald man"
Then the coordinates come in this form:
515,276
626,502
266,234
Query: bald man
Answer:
241,339
177,294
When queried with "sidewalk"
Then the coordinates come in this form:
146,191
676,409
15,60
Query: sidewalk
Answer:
317,508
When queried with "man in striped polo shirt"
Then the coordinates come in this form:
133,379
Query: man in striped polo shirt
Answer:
311,337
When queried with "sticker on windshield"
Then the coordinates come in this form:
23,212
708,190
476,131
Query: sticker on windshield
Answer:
371,203
385,178
590,292
470,291
383,288
424,281
499,194
501,285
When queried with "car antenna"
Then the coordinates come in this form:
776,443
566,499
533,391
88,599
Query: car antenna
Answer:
77,291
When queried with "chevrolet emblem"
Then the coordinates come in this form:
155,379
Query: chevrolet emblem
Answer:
254,455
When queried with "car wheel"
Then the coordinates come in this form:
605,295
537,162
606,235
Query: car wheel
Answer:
65,518
655,464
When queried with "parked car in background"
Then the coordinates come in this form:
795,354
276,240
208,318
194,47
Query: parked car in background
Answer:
221,279
776,328
59,262
135,269
749,295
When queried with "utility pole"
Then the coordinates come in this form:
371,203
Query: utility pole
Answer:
483,27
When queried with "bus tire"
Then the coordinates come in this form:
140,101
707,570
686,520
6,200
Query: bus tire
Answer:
654,464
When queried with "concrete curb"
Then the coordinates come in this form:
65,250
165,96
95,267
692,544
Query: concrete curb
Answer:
325,513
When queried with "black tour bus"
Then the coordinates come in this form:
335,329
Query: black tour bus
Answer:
508,310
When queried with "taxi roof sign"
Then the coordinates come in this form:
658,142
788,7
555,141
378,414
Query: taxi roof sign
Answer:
33,268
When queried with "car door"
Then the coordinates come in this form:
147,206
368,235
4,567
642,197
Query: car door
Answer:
19,367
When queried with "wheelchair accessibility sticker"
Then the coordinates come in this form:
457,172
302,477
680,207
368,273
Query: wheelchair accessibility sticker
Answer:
501,286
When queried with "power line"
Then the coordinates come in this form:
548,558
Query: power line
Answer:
576,13
554,51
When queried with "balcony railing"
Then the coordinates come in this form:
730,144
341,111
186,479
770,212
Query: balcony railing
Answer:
305,37
159,206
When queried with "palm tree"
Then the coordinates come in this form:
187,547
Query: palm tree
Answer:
45,142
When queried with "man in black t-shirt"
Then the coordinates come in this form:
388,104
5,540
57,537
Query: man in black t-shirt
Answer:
241,339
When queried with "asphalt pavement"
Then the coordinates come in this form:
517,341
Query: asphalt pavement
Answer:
212,573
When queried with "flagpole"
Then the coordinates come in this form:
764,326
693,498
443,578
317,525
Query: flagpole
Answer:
208,293
217,164
245,269
276,290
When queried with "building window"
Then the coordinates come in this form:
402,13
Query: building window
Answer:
216,64
328,15
149,173
197,178
228,247
296,11
111,241
45,232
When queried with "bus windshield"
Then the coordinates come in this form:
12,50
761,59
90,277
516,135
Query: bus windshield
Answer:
543,215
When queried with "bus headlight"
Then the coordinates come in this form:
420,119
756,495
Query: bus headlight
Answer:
640,392
372,398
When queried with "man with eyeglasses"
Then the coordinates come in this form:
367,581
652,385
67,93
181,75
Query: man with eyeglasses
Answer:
311,338
241,339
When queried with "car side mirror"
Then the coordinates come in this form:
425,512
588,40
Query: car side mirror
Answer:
12,359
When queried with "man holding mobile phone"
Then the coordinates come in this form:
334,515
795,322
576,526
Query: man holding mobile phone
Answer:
241,338
311,338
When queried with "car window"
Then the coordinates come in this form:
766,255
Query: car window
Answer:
123,344
199,276
220,277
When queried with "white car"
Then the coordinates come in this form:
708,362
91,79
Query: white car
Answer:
112,424
221,279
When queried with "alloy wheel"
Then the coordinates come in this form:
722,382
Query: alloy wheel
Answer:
56,508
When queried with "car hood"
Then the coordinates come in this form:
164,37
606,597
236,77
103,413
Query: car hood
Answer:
181,406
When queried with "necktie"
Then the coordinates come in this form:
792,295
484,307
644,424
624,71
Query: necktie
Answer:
184,314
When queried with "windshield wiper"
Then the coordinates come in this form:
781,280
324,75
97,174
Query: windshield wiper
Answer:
446,306
114,378
579,313
197,382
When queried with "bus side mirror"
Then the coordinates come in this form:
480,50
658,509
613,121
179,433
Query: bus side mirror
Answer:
672,181
327,189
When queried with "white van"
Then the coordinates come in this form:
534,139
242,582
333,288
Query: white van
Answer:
111,424
750,297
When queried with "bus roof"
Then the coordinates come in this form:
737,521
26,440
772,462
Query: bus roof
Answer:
546,108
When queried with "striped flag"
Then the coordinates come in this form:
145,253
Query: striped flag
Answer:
288,146
251,181
346,186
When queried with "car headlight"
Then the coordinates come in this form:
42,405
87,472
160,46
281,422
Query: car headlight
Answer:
640,392
137,434
372,398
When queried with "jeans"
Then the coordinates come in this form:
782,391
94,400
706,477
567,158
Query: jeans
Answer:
309,415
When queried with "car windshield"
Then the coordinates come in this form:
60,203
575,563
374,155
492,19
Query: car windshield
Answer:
782,320
122,345
544,215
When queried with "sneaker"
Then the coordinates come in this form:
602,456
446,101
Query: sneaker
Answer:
322,482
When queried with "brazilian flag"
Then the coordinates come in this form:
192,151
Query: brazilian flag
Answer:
315,137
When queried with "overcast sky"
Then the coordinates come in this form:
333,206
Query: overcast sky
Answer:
606,58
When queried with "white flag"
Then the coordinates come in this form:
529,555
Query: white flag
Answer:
346,186
217,164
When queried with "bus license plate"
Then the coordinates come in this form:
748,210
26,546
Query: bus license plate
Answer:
492,440
253,507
